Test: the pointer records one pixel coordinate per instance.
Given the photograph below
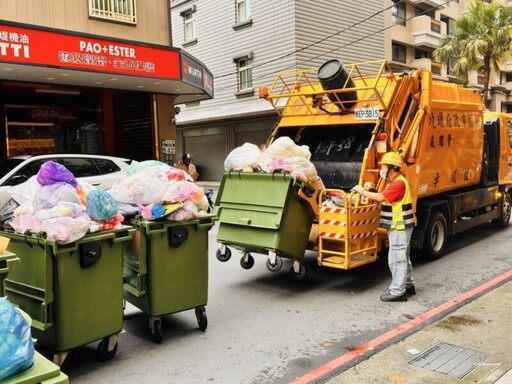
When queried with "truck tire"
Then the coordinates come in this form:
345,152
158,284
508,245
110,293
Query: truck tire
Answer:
504,219
436,236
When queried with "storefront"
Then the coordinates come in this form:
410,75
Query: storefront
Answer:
66,93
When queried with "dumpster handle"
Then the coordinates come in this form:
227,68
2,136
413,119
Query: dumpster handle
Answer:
312,200
127,235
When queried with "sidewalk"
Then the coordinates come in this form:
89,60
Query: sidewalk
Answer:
472,344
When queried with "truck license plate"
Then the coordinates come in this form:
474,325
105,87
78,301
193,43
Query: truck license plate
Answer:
366,113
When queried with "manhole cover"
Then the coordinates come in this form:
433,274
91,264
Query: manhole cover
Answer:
449,359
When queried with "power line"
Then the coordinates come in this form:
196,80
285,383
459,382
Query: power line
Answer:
312,44
328,37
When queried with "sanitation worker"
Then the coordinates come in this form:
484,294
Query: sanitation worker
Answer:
398,218
187,166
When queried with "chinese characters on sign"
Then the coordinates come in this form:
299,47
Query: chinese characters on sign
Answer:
444,125
38,47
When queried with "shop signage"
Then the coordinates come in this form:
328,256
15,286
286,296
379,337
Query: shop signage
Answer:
37,47
196,74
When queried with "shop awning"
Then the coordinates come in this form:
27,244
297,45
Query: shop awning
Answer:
60,59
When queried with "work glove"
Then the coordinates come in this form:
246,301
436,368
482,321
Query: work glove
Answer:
358,189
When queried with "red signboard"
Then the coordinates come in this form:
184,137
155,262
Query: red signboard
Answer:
36,47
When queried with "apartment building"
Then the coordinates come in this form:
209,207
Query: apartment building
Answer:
93,76
246,43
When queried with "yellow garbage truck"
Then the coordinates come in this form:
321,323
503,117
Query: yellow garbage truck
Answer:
458,158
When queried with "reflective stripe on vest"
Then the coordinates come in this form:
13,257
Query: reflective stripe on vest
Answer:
398,215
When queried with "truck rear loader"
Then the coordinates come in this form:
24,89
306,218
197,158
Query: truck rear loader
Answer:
458,161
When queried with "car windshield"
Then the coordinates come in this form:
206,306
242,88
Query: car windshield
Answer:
7,165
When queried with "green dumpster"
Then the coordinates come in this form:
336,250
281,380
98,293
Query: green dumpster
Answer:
42,371
7,261
72,292
166,269
264,213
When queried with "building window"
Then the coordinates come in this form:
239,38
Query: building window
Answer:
508,77
244,69
450,24
189,23
243,10
398,12
421,54
122,11
399,52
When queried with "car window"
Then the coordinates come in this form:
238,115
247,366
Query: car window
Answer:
106,166
27,171
80,167
7,165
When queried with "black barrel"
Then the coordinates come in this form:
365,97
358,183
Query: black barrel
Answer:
332,75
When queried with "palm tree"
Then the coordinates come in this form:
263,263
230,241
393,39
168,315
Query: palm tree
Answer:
481,40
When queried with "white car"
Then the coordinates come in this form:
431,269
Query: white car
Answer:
100,171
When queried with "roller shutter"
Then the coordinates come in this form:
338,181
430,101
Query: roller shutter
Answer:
134,128
208,155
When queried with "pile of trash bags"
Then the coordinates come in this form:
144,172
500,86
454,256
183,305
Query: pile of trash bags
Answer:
282,156
65,209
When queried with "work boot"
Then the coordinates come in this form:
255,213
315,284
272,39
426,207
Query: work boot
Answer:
410,291
388,297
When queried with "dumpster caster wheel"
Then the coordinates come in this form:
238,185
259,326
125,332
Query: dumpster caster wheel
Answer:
102,352
275,267
298,275
223,256
157,332
202,320
247,262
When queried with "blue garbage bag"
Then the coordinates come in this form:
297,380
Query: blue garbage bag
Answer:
101,205
16,346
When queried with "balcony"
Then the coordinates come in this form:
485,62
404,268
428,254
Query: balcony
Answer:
427,32
439,4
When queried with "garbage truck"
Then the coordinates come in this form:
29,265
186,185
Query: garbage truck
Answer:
457,158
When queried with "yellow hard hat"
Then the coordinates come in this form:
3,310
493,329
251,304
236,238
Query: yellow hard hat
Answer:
392,158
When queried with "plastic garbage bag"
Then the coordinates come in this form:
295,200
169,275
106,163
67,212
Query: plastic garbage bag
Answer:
7,212
63,208
284,147
187,212
48,196
137,166
65,230
181,191
52,172
16,346
143,187
101,205
25,191
242,158
299,167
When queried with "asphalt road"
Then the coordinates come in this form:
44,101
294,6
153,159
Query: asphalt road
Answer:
264,327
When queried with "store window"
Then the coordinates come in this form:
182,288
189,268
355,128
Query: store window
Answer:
38,130
123,11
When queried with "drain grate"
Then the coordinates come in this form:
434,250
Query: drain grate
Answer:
449,359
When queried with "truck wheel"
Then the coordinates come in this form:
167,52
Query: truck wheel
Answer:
503,220
436,236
